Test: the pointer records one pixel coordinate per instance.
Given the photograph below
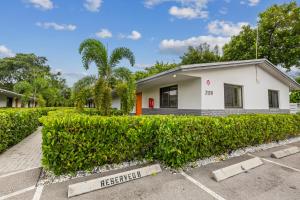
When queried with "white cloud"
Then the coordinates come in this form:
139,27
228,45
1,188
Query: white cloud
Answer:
225,28
253,2
293,72
42,4
134,35
104,33
57,27
6,52
250,2
188,9
223,11
93,5
188,13
178,47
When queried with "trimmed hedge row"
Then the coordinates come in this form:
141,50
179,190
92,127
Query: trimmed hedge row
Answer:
79,142
17,123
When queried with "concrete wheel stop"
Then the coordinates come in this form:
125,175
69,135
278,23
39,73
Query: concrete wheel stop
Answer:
232,170
109,181
285,152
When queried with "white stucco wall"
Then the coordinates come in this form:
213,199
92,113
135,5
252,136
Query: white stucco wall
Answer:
116,102
3,100
189,94
255,87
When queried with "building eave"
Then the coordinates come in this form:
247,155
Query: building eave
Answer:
218,65
10,93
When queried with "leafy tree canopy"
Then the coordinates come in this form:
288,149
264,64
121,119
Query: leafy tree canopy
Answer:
155,69
21,68
279,37
30,75
201,54
93,51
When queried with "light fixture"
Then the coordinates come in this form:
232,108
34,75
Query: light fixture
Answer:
174,76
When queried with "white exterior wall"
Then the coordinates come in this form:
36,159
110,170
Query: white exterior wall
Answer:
255,88
116,103
189,94
3,101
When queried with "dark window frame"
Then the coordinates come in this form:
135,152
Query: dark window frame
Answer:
242,96
168,89
271,102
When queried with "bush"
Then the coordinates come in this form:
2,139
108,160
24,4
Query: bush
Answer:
18,123
75,142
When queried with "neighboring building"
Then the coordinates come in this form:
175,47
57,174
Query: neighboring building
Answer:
11,99
238,87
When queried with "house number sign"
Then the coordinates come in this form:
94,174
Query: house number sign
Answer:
209,92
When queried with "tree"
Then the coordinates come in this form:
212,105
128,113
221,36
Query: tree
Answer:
28,70
21,68
242,46
295,95
125,88
94,51
83,91
279,37
155,69
201,54
25,88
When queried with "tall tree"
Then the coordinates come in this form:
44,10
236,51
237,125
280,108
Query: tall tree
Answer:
295,95
201,54
155,69
279,37
22,67
83,91
30,75
125,88
93,51
242,46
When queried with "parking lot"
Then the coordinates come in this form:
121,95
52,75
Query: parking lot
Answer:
275,179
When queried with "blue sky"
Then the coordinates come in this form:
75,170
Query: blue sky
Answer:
155,30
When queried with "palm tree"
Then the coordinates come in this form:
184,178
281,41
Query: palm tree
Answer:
125,87
93,51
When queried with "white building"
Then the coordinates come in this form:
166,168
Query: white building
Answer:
249,86
11,99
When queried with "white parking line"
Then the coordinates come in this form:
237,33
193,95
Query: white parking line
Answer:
276,163
200,185
17,172
38,193
17,192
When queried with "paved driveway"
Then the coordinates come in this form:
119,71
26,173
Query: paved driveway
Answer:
275,179
24,155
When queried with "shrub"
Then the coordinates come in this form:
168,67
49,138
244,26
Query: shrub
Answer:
73,142
18,123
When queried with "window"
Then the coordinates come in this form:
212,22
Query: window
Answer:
9,102
273,99
169,97
233,96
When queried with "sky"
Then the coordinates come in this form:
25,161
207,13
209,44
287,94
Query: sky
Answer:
155,30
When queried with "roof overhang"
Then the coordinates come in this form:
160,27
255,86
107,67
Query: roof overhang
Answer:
9,93
266,65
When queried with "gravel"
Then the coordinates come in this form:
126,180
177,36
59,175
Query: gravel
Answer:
48,177
239,152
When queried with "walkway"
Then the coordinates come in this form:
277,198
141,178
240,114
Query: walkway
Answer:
24,155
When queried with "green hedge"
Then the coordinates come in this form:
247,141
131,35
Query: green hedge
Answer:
17,123
79,142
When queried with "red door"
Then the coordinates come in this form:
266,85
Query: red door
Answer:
138,105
